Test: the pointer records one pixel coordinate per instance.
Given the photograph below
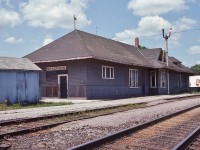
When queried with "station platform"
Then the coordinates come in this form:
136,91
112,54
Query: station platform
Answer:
82,105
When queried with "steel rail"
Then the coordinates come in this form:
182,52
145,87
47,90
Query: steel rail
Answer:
112,137
188,140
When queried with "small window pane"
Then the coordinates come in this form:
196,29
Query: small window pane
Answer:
112,71
107,72
103,72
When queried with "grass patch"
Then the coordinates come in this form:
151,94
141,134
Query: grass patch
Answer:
99,112
4,107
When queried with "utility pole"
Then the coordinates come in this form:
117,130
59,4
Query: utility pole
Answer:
166,37
75,22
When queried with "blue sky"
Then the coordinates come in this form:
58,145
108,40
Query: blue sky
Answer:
27,25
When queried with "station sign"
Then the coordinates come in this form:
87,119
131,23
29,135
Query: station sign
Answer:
56,68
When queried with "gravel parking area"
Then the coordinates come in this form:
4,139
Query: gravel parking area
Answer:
35,112
77,132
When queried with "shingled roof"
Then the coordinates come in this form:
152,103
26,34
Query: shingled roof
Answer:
8,63
154,54
81,45
174,60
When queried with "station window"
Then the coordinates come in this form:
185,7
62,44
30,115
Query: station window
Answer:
133,78
179,80
107,72
153,79
163,79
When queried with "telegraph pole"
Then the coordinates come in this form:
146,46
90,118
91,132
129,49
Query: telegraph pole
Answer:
166,37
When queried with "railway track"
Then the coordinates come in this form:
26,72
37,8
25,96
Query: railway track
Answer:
191,142
195,145
16,127
161,134
24,126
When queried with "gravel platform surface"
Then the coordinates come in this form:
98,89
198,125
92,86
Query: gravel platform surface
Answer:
77,132
42,111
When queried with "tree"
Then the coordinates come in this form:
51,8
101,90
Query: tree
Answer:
196,68
141,47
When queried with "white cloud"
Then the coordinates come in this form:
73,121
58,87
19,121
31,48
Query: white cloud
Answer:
9,18
184,23
155,7
7,3
153,25
53,14
198,62
194,50
147,26
13,40
47,40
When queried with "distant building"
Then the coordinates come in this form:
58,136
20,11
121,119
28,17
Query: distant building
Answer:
80,64
19,80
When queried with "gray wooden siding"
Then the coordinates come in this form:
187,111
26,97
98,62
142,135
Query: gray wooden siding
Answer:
85,80
173,83
77,78
76,71
117,87
49,79
174,89
19,86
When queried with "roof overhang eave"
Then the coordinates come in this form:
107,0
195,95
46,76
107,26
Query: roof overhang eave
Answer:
59,60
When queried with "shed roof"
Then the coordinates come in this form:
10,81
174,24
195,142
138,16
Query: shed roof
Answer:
8,63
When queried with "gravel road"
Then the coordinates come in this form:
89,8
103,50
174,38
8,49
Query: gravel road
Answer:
77,132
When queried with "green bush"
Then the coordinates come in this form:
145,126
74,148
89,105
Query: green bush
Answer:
5,102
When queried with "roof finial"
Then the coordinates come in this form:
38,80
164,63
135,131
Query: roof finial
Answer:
96,30
75,22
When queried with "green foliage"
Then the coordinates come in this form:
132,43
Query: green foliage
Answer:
142,47
196,68
5,102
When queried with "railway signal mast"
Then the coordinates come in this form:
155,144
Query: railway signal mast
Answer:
166,37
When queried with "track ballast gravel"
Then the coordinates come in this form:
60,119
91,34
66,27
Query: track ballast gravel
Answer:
77,132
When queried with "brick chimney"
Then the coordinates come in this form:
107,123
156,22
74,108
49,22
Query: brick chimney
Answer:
136,42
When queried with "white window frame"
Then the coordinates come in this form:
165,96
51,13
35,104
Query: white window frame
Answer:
163,78
133,84
151,79
104,73
179,80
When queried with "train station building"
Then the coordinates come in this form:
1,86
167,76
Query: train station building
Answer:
81,64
